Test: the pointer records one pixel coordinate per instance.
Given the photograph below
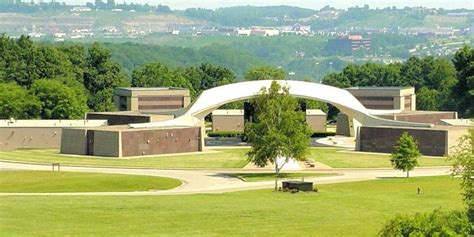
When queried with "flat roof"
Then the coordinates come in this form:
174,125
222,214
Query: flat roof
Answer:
379,88
228,112
128,128
419,112
459,122
315,112
46,123
150,88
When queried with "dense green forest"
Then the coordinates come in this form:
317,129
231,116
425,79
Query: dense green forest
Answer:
439,84
64,81
305,56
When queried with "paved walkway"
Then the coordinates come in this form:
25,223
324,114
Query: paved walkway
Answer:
215,181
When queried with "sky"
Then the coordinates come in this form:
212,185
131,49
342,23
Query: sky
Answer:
312,4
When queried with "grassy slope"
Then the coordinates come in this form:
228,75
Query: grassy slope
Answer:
47,181
350,209
341,159
255,177
226,158
232,158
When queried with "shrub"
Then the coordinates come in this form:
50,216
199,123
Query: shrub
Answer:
323,134
436,223
225,134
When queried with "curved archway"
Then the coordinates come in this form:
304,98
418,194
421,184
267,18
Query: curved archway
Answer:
214,98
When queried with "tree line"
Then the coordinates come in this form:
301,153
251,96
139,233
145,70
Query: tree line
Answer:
440,84
65,81
61,81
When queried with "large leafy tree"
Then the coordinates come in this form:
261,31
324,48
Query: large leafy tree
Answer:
159,75
463,157
265,73
24,62
101,77
463,91
406,153
207,76
59,101
279,131
16,102
432,78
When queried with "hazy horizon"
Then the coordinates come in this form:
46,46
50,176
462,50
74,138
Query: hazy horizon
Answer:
311,4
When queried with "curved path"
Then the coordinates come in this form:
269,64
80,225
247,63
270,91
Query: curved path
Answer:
215,181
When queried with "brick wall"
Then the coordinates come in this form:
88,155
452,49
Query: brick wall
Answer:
160,141
383,139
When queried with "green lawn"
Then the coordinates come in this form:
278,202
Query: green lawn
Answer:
347,209
48,181
256,177
338,158
229,158
224,158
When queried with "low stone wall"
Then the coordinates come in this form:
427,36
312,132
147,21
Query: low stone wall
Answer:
432,142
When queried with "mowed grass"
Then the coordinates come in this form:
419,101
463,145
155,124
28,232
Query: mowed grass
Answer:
346,209
228,158
48,181
215,159
338,158
256,177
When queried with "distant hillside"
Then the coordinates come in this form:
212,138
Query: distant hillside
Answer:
250,15
329,17
132,55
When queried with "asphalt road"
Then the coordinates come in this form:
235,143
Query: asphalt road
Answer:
215,181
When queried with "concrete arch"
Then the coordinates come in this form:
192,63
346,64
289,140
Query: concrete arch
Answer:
214,98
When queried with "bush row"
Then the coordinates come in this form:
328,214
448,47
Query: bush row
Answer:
241,134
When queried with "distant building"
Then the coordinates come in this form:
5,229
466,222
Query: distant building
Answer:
151,99
316,120
258,32
385,98
81,9
348,43
228,120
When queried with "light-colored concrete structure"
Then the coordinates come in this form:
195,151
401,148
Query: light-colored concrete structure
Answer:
316,120
213,98
228,120
16,134
385,98
151,98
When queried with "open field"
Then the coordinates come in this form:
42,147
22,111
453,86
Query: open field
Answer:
47,181
229,158
338,158
224,158
347,209
256,177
